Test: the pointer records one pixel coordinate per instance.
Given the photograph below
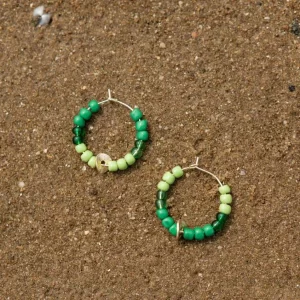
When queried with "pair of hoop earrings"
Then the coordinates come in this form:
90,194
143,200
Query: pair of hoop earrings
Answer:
103,163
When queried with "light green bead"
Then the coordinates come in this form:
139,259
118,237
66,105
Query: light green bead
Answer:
226,198
163,186
129,159
177,171
86,155
122,164
112,166
169,178
80,148
224,189
225,209
92,162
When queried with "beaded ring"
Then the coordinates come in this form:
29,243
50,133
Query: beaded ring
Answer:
180,229
102,161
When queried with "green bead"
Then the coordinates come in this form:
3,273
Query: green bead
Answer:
141,125
86,155
140,144
199,233
77,140
137,153
80,148
173,229
85,113
168,222
169,178
94,106
162,213
217,225
163,186
136,114
225,209
79,121
188,233
142,135
112,166
122,164
129,159
161,195
221,217
177,171
78,131
92,162
161,203
208,230
226,198
224,189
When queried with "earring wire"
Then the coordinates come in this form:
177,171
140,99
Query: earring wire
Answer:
115,100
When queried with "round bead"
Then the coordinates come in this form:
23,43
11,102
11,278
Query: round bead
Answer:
77,140
162,213
225,209
163,186
122,164
85,113
226,198
129,159
224,189
79,121
94,106
177,171
80,148
136,152
112,166
142,135
199,233
140,144
173,229
161,203
161,195
168,222
136,114
141,125
188,233
169,178
92,162
78,131
208,230
86,155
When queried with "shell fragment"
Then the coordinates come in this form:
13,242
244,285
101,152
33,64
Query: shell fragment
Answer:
101,162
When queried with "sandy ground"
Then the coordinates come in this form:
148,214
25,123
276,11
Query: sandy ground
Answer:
212,78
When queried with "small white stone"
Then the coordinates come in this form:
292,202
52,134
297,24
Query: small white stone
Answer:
21,184
86,232
45,19
162,45
38,12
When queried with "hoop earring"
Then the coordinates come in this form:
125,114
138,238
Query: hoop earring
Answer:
102,161
180,229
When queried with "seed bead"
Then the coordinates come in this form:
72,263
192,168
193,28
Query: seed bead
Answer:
224,189
112,166
92,162
94,106
163,186
169,178
177,171
226,198
225,209
86,155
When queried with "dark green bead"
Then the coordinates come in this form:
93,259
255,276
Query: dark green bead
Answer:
168,222
161,195
141,125
140,144
77,140
137,153
199,233
142,135
85,113
217,225
161,203
79,131
136,114
162,213
173,229
208,230
94,106
222,217
79,121
188,233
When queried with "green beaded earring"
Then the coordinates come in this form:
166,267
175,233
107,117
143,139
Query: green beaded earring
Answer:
180,229
102,161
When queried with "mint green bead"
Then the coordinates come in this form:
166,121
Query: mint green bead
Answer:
122,164
173,229
142,135
80,148
199,233
169,178
141,125
225,209
129,159
162,213
79,121
224,189
136,114
167,222
112,166
86,155
94,106
188,233
208,230
92,162
163,186
226,198
177,171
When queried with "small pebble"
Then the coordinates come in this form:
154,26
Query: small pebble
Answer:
21,184
162,45
292,88
243,172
